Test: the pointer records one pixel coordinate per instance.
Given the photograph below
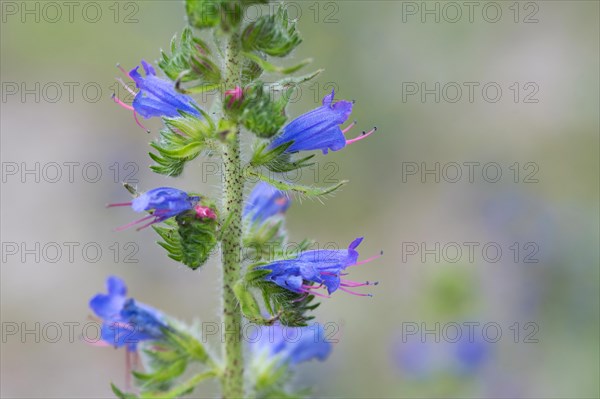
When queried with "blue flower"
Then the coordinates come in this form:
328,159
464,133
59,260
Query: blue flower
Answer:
163,202
125,322
156,97
422,356
323,267
319,129
471,352
264,202
293,345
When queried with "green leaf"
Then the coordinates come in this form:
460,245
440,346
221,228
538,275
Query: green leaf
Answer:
277,160
190,61
300,189
121,395
248,304
263,114
169,372
203,13
288,307
181,141
268,67
262,240
185,388
210,13
190,241
273,34
292,82
250,72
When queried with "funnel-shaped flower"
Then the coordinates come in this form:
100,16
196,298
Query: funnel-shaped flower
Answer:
323,267
125,322
265,201
163,202
156,97
319,129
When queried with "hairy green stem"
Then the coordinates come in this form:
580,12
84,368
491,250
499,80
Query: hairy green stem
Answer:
232,380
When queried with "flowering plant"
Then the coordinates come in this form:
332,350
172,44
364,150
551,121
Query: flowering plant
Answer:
272,289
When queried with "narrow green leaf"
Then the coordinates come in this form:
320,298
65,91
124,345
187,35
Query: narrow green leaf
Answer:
268,67
304,190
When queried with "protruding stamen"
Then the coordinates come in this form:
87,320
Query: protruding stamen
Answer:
309,289
140,123
303,297
354,293
128,225
123,70
121,103
363,136
318,294
353,284
129,89
362,262
350,126
156,220
312,287
118,204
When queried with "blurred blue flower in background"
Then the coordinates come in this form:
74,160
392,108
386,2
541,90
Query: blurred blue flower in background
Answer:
264,202
422,358
292,345
125,322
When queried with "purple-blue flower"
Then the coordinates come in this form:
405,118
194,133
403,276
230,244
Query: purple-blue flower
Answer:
264,202
293,345
322,267
423,355
156,96
319,129
125,322
471,352
163,202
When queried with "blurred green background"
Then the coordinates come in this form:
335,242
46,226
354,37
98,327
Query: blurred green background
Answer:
374,52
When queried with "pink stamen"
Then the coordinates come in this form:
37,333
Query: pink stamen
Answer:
363,136
301,298
350,126
362,262
123,70
121,103
118,204
99,343
353,284
319,295
147,225
135,116
309,289
353,293
128,225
